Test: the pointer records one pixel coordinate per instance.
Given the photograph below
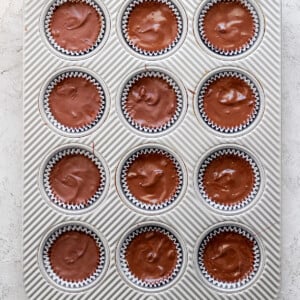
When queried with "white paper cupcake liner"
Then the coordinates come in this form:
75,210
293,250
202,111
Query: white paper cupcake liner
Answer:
47,263
229,53
211,123
171,82
55,159
243,203
46,106
125,20
136,202
228,286
125,267
55,45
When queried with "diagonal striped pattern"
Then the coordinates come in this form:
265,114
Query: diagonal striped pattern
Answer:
190,140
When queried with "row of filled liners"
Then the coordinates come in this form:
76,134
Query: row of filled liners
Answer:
151,179
151,257
228,101
153,29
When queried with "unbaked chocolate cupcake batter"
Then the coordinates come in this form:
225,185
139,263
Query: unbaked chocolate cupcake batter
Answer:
74,179
75,102
74,256
229,102
152,26
151,102
229,257
152,256
152,178
75,26
229,25
228,179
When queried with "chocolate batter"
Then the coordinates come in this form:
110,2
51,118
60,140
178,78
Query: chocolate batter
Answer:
75,102
74,179
152,26
151,102
74,256
229,25
229,102
152,178
152,256
228,179
229,257
75,26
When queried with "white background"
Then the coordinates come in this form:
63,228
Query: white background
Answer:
11,143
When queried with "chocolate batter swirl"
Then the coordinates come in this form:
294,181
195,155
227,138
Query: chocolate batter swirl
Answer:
74,179
74,256
229,102
75,102
229,25
152,256
75,26
228,179
229,257
152,26
151,102
152,178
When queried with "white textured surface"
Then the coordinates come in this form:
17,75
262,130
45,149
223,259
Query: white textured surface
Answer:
11,145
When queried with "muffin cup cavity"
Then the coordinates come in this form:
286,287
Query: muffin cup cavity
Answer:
57,156
132,200
173,82
45,261
239,52
245,203
258,259
253,118
153,285
80,54
60,77
181,20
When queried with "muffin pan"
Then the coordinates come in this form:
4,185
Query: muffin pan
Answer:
172,200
